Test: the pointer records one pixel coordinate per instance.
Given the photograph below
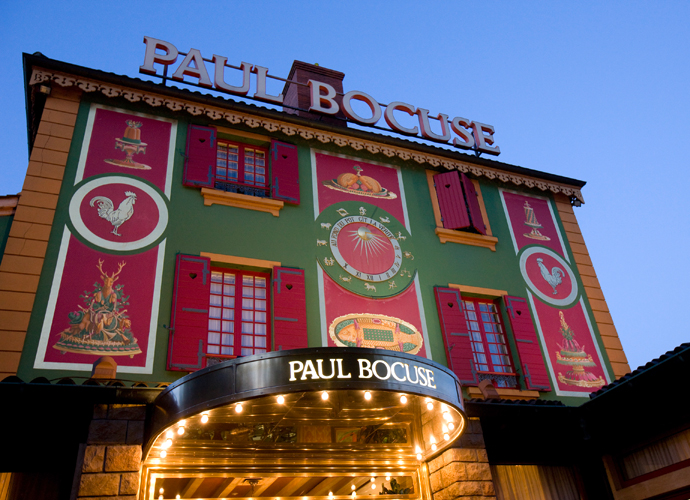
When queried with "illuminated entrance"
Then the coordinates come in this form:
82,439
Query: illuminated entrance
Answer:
246,429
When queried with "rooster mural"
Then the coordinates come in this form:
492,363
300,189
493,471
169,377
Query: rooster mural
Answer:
118,216
553,278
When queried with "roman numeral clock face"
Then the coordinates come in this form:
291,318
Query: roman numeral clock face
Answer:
365,249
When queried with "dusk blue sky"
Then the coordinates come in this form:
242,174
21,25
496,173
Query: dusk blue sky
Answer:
598,91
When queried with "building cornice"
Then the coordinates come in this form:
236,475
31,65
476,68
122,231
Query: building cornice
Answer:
40,75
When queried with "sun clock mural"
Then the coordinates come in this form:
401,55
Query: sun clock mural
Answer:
111,253
560,313
365,254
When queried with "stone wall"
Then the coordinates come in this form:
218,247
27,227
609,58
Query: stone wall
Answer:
463,471
111,462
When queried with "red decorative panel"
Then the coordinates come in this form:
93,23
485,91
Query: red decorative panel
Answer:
122,143
451,201
284,172
289,309
532,222
334,185
536,377
473,208
366,309
571,348
103,308
189,323
201,156
455,333
103,299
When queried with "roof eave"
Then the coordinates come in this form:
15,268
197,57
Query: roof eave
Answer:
30,61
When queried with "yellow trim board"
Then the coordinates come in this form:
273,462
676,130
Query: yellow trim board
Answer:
477,240
478,290
240,133
482,207
240,261
474,392
217,197
434,199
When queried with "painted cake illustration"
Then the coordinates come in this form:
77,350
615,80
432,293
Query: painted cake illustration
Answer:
131,144
574,355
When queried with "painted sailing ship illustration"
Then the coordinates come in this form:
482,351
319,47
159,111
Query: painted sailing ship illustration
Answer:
531,221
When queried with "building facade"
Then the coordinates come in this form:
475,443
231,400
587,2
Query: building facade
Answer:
216,299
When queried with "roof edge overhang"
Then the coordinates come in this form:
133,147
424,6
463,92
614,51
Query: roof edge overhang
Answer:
40,69
648,404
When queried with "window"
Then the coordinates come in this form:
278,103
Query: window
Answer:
459,210
476,340
547,482
241,169
656,458
222,312
237,313
241,175
487,338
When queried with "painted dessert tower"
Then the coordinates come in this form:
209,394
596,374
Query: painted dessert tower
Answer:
574,355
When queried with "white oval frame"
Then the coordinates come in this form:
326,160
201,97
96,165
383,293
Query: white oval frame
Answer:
556,302
78,223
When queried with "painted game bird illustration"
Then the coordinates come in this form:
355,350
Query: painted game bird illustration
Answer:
553,278
116,217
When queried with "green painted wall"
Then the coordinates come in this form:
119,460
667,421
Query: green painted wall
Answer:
289,238
5,226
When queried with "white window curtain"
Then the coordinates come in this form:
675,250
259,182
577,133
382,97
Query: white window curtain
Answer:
534,482
655,456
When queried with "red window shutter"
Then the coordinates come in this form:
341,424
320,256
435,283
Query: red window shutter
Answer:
284,172
533,367
189,323
289,309
451,201
201,156
476,219
456,336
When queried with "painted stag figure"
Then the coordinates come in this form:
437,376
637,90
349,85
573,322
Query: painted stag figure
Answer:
102,327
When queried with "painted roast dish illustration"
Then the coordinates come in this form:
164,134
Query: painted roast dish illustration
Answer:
359,184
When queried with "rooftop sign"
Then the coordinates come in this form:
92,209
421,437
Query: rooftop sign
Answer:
466,134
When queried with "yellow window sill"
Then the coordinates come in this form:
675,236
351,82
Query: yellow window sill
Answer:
463,238
218,197
474,392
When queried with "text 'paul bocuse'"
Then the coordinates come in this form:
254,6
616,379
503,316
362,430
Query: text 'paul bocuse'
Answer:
402,372
469,134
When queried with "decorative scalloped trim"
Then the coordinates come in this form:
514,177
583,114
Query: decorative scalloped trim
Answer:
40,75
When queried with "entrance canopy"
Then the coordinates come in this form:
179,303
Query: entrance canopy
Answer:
310,423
